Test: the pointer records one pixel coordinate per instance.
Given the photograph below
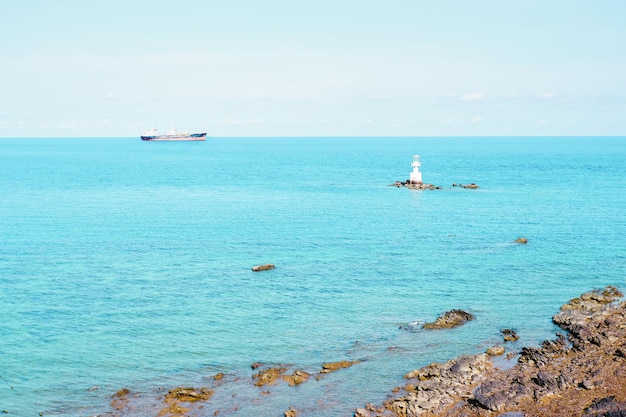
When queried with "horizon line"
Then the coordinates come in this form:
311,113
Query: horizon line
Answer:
328,136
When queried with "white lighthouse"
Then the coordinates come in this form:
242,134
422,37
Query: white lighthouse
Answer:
416,174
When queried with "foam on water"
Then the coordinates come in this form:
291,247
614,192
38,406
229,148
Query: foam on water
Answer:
127,264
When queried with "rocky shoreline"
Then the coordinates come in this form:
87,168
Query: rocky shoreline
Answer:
580,373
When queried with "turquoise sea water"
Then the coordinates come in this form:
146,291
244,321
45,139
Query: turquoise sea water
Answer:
128,264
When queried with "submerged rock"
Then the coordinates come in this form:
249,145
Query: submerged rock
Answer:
297,378
291,413
120,399
471,186
175,396
334,366
268,376
187,395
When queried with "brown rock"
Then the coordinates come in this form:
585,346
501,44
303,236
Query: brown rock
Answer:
268,376
174,410
449,319
521,240
584,377
437,386
415,186
495,351
334,366
509,335
361,412
291,413
121,393
297,378
263,267
187,395
120,399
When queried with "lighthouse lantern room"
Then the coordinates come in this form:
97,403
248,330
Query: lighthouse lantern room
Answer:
416,174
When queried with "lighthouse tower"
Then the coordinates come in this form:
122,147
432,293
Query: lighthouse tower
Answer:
416,174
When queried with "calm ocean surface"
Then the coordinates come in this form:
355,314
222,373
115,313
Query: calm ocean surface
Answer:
128,264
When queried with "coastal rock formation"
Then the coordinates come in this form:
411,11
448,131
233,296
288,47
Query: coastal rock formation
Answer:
334,366
521,240
509,335
297,378
265,267
175,396
495,351
291,413
437,386
268,376
471,186
415,186
449,319
120,399
582,372
581,375
187,395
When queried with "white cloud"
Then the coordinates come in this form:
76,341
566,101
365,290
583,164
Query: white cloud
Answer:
472,96
476,119
549,96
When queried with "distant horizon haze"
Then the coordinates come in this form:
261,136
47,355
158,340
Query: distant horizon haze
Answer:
341,68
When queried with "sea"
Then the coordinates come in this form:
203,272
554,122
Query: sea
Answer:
128,264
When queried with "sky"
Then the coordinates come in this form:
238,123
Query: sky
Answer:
116,68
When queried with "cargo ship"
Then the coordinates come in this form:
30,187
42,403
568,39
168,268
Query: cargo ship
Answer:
171,135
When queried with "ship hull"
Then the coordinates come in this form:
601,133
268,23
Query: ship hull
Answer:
162,138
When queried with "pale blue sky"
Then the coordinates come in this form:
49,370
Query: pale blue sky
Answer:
287,67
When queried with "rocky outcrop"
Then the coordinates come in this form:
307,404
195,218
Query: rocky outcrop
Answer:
291,413
471,186
265,267
437,386
187,395
521,240
559,370
495,351
176,396
268,376
606,407
582,374
298,377
120,399
449,319
335,366
509,335
415,186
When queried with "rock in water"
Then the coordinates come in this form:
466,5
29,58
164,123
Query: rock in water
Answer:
510,335
449,319
334,366
263,267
